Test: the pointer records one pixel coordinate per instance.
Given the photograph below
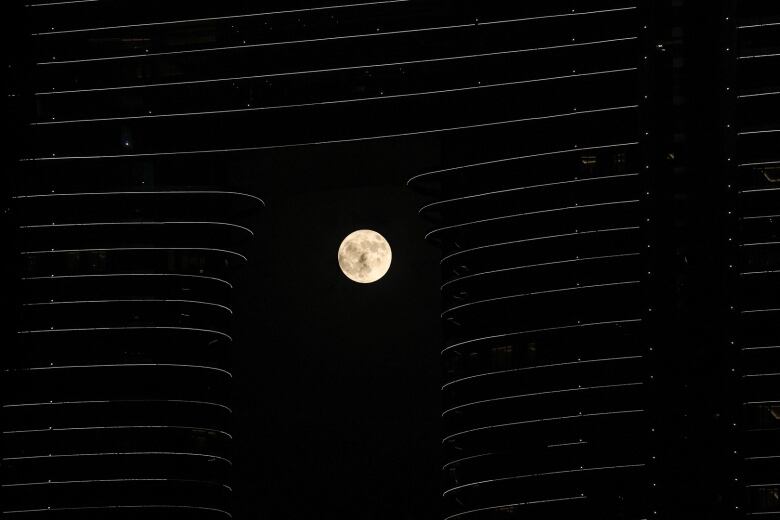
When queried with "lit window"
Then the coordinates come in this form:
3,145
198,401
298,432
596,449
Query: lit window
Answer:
770,173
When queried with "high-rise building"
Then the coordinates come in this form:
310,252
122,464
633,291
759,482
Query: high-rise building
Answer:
750,126
600,175
609,291
117,400
545,265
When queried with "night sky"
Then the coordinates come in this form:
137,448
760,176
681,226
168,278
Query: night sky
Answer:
336,384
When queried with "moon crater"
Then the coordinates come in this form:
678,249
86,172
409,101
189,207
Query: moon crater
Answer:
364,256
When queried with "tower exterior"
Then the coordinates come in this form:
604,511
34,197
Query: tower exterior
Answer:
600,175
545,263
750,125
608,266
118,380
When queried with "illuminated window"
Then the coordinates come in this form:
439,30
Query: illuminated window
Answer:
589,162
619,162
770,173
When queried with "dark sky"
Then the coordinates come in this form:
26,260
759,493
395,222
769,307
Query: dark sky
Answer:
337,383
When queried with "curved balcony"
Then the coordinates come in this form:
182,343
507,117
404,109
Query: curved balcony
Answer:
545,405
119,398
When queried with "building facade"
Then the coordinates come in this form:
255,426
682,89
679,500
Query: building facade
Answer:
118,380
601,177
545,235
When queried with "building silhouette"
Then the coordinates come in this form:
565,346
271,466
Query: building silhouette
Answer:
608,291
601,178
544,243
118,384
750,125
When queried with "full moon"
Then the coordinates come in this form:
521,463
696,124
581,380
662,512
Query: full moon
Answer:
364,256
